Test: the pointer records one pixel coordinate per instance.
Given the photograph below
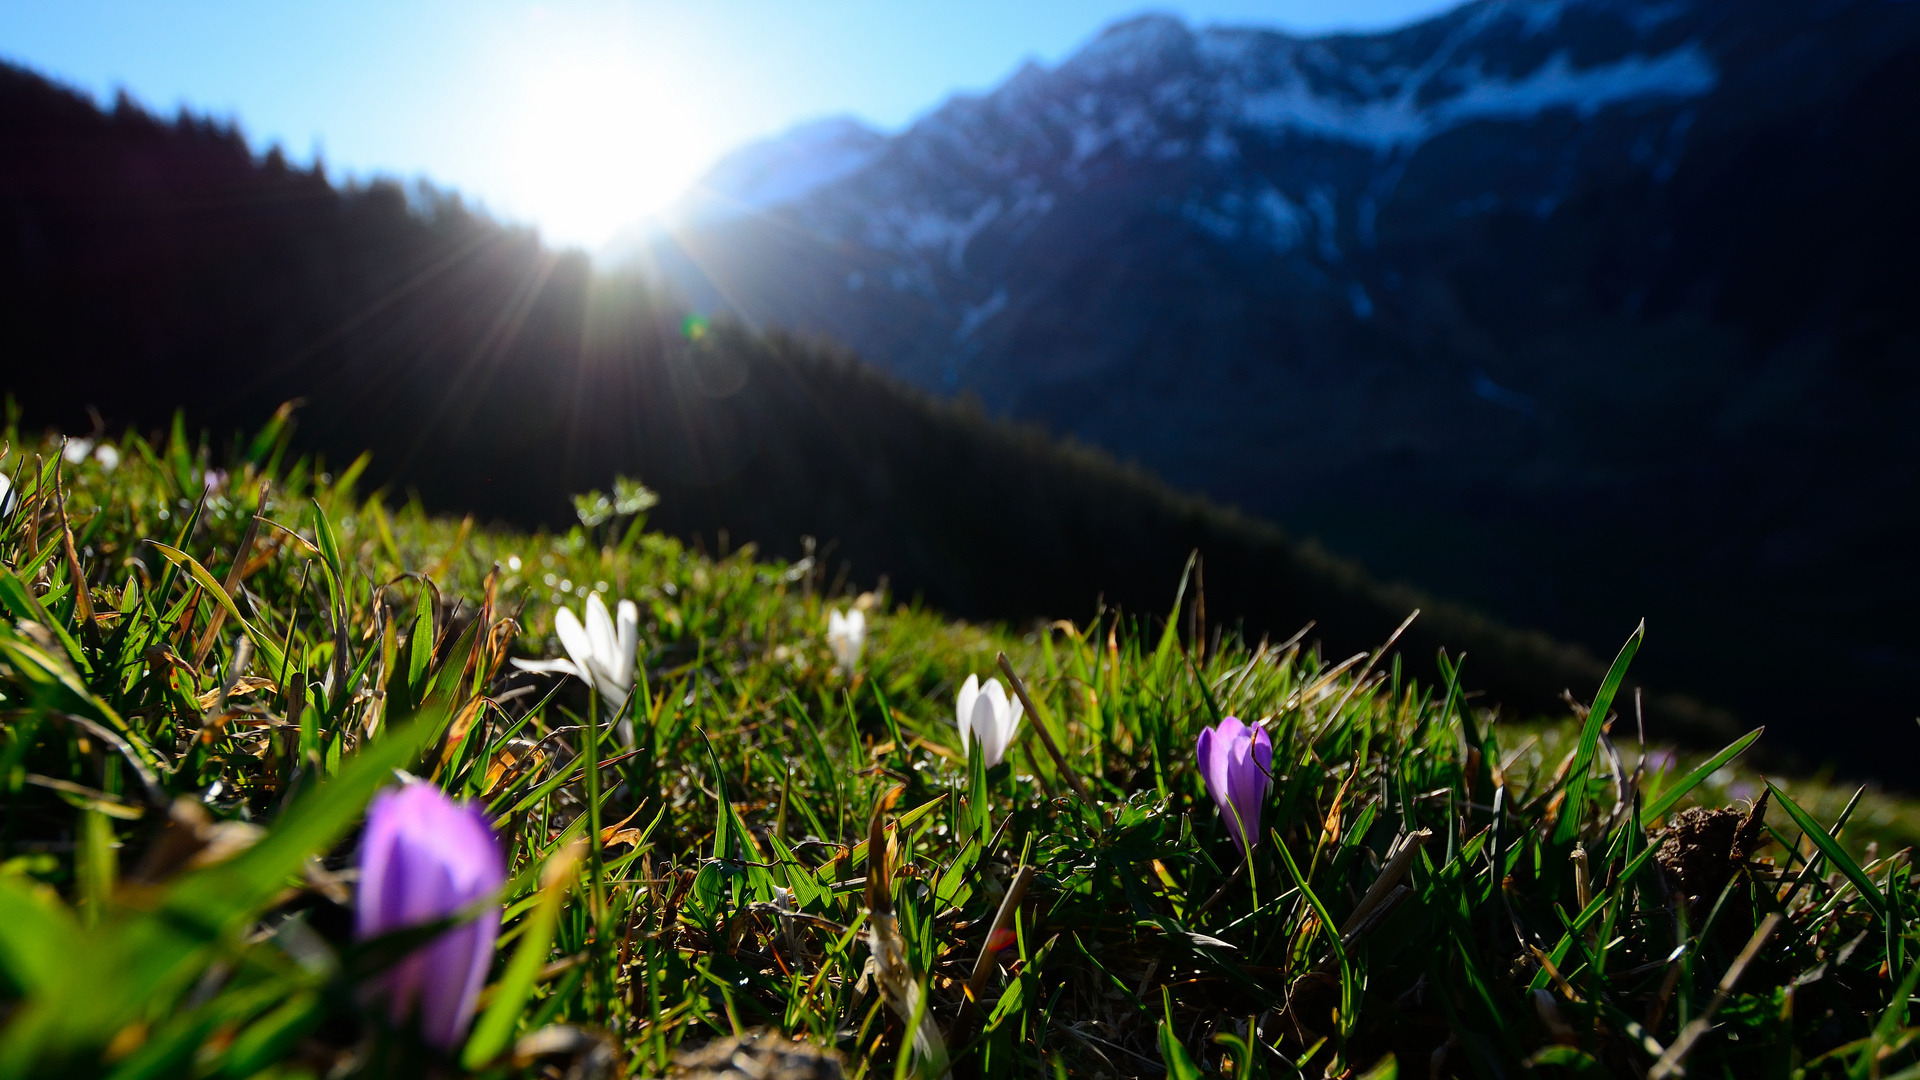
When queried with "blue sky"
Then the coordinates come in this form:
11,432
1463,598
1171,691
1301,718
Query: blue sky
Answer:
579,116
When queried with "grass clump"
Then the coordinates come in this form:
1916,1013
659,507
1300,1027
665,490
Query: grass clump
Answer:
207,669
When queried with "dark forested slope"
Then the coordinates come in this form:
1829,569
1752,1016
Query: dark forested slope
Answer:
148,265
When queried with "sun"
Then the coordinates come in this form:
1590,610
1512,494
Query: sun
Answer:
594,142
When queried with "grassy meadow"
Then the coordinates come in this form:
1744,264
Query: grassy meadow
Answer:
212,658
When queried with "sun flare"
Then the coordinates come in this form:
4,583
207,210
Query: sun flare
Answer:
595,143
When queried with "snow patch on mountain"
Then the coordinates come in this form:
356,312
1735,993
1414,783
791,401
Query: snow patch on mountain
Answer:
908,231
1224,110
1265,215
1405,120
1282,222
973,316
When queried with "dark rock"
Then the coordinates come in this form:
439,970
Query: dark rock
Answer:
1702,848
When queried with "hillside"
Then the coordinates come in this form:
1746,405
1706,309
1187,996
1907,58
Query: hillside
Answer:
264,737
1576,312
156,266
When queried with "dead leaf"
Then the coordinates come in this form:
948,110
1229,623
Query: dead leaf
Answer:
245,684
511,760
618,833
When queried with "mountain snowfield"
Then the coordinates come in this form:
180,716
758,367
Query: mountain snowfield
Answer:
908,247
1154,90
1577,310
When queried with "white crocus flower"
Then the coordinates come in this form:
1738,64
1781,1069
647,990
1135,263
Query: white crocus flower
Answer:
847,636
597,653
107,456
987,714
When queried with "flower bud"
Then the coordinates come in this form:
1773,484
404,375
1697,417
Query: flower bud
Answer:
1236,761
425,858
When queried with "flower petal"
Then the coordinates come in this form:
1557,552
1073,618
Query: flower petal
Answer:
1248,782
612,691
963,708
1205,750
1263,756
457,963
985,728
600,629
627,641
564,667
1219,774
573,638
376,855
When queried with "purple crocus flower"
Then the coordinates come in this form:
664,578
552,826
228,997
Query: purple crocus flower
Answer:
1237,762
425,857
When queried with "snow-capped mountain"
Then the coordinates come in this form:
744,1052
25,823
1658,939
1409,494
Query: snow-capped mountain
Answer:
927,252
1611,296
775,172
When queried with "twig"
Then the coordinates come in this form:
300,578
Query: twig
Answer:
1300,698
1670,1062
1240,868
1361,678
235,575
149,783
82,602
1046,737
983,965
1390,875
1359,929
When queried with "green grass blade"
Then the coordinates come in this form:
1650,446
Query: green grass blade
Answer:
221,895
1832,849
39,938
1693,779
1180,1065
269,648
496,1026
1577,778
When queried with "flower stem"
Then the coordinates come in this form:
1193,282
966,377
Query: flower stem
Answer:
592,751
